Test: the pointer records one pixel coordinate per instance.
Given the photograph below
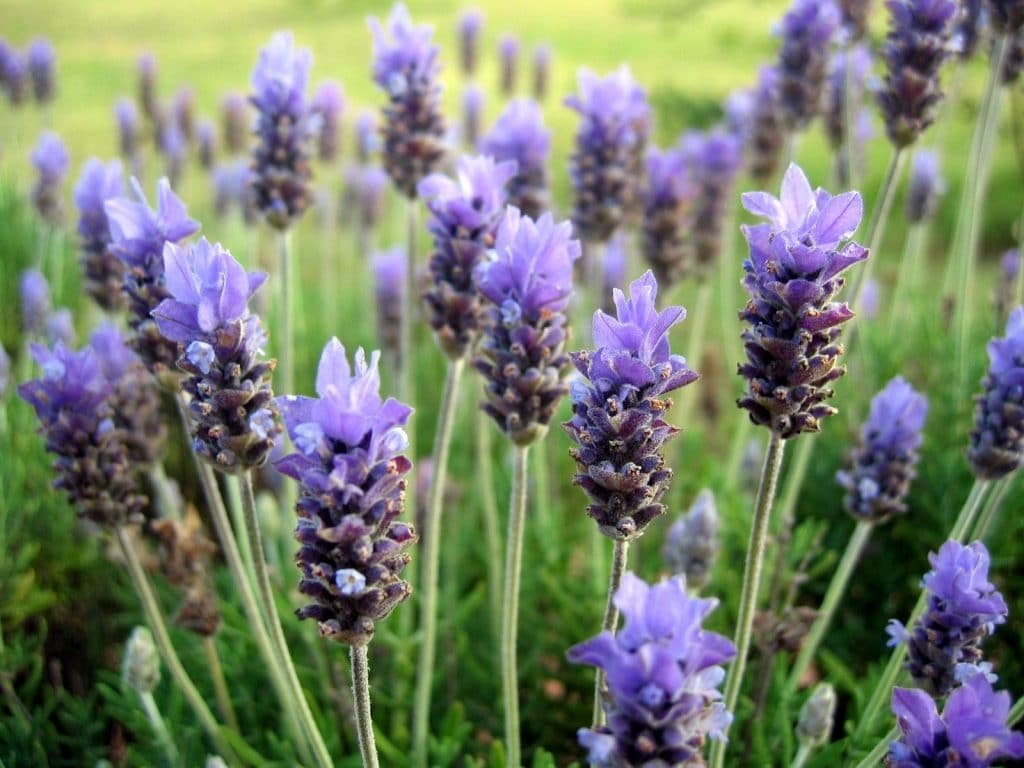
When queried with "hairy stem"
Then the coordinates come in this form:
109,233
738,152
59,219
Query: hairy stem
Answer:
611,620
156,721
874,757
489,509
361,696
987,516
513,563
220,685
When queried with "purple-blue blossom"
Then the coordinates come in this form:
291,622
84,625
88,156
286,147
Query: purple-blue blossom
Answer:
807,32
541,70
691,544
234,109
103,271
389,289
766,138
206,143
60,326
925,188
51,160
613,269
328,106
36,305
471,23
366,135
508,54
473,100
713,159
127,118
997,439
42,64
519,134
667,226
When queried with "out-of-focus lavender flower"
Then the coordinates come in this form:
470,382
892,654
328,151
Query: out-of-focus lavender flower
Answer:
925,188
767,138
793,273
36,305
964,607
714,159
618,421
663,671
613,270
606,164
528,282
51,161
406,67
918,43
884,464
997,440
329,106
808,30
60,326
1007,15
148,96
869,299
972,730
15,76
389,288
817,716
367,137
668,215
206,143
519,134
352,477
42,64
464,217
1010,264
738,108
137,236
508,53
371,197
281,170
5,373
691,545
1006,288
970,28
174,148
472,114
541,70
183,111
237,124
127,117
233,418
851,68
233,190
855,14
471,22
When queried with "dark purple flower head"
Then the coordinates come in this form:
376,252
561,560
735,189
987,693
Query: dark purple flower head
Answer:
793,273
1007,16
146,67
42,64
691,545
389,288
807,31
127,117
856,14
15,76
104,272
527,280
663,672
367,136
36,304
714,159
328,106
607,162
766,137
51,161
970,28
997,440
883,465
971,732
618,419
237,122
520,135
541,70
851,69
471,22
919,41
669,196
964,607
352,477
925,188
508,53
404,55
206,143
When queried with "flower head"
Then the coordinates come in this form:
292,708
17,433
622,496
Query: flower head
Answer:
807,30
127,117
691,545
473,100
766,138
328,106
997,440
713,159
51,161
520,135
104,272
925,188
471,22
234,109
669,195
36,304
389,287
508,53
42,63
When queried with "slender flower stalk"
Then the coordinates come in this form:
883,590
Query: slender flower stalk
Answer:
510,601
140,671
359,661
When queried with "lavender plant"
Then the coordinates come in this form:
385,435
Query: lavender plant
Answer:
541,70
36,303
51,161
520,135
389,290
692,543
508,53
42,64
104,272
235,122
471,23
997,440
328,107
472,114
807,31
669,196
714,160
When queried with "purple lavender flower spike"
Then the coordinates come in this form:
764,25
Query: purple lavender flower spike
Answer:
36,305
280,159
15,76
405,66
5,372
464,217
971,732
767,137
691,545
148,96
367,137
1006,288
714,160
883,465
183,110
541,71
508,53
371,197
925,188
329,106
127,117
856,14
137,237
1013,62
919,41
618,418
232,189
51,161
60,327
613,270
352,477
389,288
7,54
206,144
103,270
997,440
234,109
807,31
472,114
970,29
527,281
42,65
1007,15
174,148
233,418
851,68
663,670
963,609
519,134
606,165
793,273
471,23
869,295
669,195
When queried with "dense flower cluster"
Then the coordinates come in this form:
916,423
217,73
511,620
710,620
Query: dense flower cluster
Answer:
42,64
519,134
691,545
36,303
470,25
103,270
508,53
766,138
235,116
925,188
51,160
618,421
668,215
389,289
807,31
714,159
473,100
997,440
328,107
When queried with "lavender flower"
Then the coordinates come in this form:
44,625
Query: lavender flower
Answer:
851,68
508,53
668,215
618,419
60,326
1006,287
519,134
236,122
351,474
183,109
137,237
50,158
234,423
329,106
281,156
206,140
792,275
807,31
817,716
541,70
36,305
970,28
15,76
464,217
1007,15
917,45
884,463
856,14
997,440
472,114
663,672
691,545
42,63
606,164
5,377
869,299
148,98
925,188
972,730
470,24
714,159
103,270
127,117
367,138
767,137
370,198
232,189
174,148
963,609
405,66
613,270
528,282
389,287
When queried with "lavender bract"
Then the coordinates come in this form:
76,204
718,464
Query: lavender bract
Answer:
883,465
668,220
691,545
663,672
997,440
520,135
793,273
103,270
618,421
807,31
352,477
51,161
329,107
714,159
925,188
42,65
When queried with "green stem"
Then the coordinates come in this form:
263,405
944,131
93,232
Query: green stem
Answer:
611,620
513,563
361,697
876,225
801,756
220,686
836,590
543,503
1016,712
909,275
161,486
751,580
987,516
163,643
156,721
234,493
277,638
489,508
695,350
287,266
431,536
874,757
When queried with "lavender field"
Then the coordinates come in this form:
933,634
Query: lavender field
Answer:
633,383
